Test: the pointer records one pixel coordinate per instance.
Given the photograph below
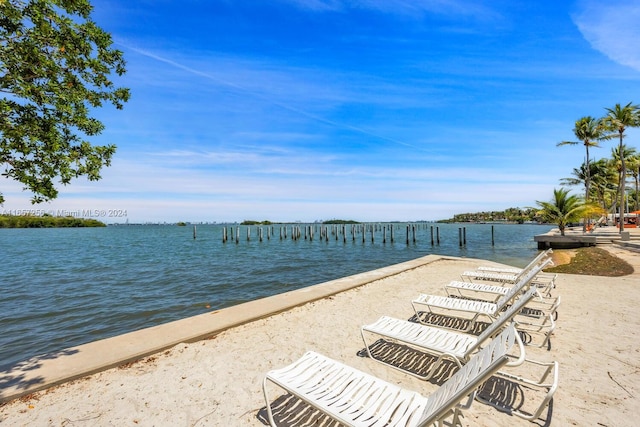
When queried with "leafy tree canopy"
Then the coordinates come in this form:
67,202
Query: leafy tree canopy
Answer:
55,67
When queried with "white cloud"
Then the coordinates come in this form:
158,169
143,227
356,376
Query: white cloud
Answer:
612,28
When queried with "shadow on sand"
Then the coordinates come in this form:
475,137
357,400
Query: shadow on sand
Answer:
16,379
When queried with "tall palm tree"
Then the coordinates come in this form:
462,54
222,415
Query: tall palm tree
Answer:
618,159
604,181
564,209
618,119
634,168
589,131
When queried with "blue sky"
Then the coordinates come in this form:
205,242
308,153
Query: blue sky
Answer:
303,110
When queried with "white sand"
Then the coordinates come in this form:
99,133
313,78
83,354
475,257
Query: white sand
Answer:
218,382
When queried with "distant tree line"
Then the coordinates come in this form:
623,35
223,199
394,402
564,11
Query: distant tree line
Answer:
516,215
252,222
340,221
46,221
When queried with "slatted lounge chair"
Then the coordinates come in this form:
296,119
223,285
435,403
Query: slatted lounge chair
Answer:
457,287
354,398
545,281
540,307
441,343
474,308
493,392
514,270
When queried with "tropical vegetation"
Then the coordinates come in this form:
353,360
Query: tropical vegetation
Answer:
611,185
46,221
605,180
565,209
513,215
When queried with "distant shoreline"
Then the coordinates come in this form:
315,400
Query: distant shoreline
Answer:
27,221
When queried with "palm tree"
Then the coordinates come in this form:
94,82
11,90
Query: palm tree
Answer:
603,183
618,159
618,119
589,132
564,209
634,168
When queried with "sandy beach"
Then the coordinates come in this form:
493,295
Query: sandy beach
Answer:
218,381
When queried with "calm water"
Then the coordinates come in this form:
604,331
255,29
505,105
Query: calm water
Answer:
65,287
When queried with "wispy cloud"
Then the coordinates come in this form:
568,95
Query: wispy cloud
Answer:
457,8
611,27
271,99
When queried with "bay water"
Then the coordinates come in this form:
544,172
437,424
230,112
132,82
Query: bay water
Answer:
62,287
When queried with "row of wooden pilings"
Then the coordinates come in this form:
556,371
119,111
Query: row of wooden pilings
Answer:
360,230
308,232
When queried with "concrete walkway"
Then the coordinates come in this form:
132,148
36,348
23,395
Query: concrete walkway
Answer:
50,369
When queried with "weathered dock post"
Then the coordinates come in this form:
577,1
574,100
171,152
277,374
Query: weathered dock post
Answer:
237,235
460,236
493,242
248,233
384,234
194,232
224,234
432,235
260,234
414,234
464,236
438,235
407,234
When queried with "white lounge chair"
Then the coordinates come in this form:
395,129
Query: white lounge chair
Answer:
514,270
540,307
494,391
354,398
545,282
441,343
508,276
474,308
496,290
